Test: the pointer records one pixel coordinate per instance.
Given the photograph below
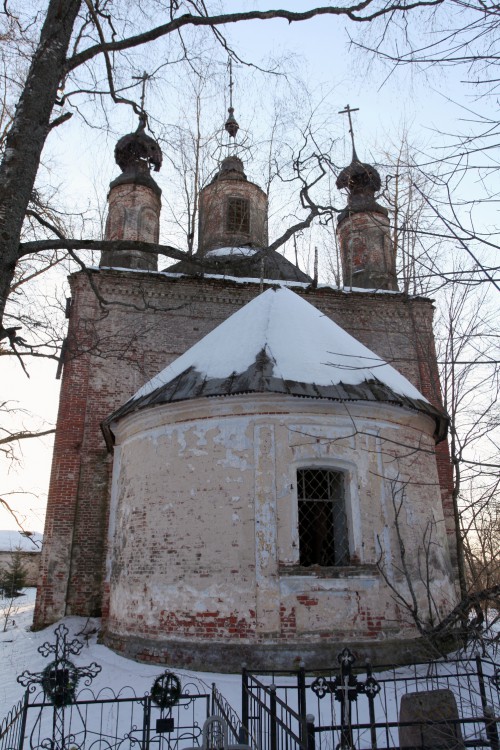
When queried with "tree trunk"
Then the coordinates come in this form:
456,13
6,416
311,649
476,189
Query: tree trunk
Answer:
30,127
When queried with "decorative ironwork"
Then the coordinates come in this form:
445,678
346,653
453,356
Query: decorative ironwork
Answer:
238,215
323,538
215,735
144,79
10,726
273,717
346,688
220,707
348,111
60,678
231,126
109,720
59,681
166,690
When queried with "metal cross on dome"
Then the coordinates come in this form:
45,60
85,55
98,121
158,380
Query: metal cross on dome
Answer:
347,111
144,78
346,688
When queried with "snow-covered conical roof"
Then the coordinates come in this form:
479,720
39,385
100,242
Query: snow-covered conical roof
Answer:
279,343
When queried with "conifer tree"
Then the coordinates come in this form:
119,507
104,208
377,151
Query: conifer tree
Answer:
13,577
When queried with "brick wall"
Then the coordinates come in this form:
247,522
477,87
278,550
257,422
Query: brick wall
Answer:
148,320
133,214
213,209
368,259
204,542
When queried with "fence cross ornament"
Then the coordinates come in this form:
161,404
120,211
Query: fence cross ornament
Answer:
346,688
60,678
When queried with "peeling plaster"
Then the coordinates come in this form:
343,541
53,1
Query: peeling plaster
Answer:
201,536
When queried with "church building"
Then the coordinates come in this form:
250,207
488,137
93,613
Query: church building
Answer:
248,467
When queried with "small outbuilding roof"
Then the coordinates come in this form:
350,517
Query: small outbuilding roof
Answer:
12,540
279,343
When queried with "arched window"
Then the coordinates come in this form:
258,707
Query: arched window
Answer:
238,215
323,535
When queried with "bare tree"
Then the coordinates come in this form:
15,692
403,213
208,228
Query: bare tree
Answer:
419,246
92,32
481,523
464,167
468,350
433,260
463,35
18,427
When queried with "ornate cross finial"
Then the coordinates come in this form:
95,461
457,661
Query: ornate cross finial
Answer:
348,111
144,78
231,126
346,687
231,83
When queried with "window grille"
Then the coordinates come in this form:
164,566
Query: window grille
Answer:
238,215
323,538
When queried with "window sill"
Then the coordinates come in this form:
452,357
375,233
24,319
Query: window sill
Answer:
316,571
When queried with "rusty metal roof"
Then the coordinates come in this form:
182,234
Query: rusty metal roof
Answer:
266,264
259,378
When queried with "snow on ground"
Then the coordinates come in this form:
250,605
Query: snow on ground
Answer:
18,652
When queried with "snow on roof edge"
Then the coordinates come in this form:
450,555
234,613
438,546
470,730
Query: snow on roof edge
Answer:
13,539
253,280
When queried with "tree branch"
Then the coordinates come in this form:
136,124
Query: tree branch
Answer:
36,246
24,435
226,18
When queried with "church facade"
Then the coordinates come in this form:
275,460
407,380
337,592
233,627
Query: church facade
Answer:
255,514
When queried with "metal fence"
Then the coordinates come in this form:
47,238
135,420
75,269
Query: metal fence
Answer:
450,704
273,715
109,721
221,708
12,726
347,708
54,716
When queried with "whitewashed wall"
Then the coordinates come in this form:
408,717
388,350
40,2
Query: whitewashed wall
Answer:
203,538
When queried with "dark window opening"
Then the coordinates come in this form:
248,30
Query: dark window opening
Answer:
238,215
323,538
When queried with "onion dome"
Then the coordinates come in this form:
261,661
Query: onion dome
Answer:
137,151
361,181
231,168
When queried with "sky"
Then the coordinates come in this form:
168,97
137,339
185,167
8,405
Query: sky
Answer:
78,165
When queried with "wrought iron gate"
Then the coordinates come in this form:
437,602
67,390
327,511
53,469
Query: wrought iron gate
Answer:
296,711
